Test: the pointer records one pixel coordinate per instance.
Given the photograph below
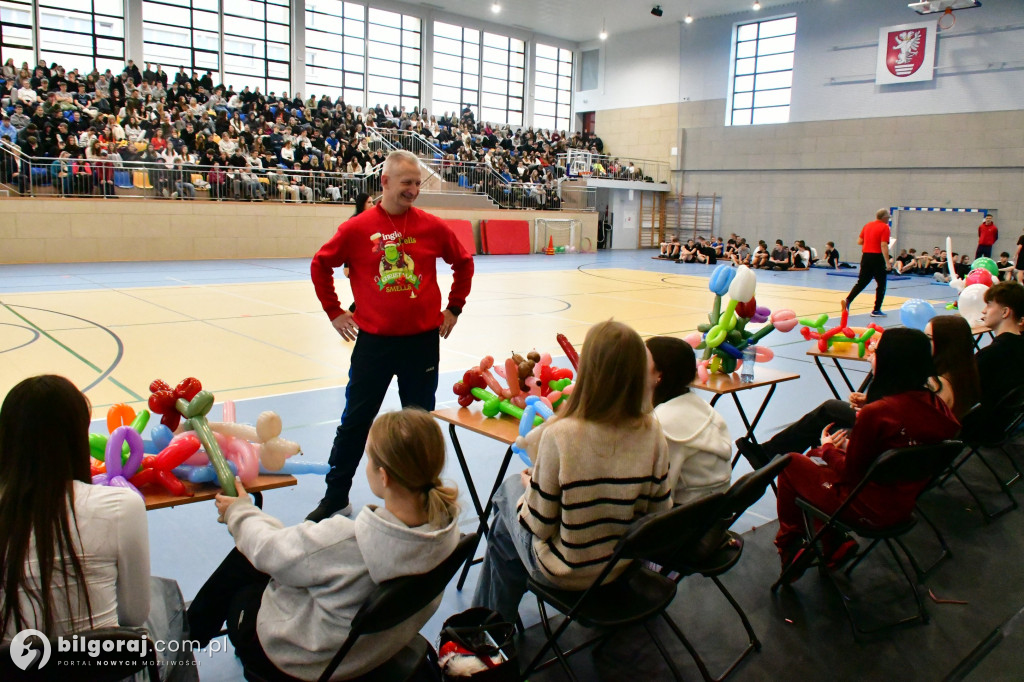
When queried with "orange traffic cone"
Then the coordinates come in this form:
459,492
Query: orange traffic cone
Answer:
550,251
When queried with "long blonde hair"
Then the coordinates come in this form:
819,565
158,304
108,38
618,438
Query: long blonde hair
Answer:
409,446
612,384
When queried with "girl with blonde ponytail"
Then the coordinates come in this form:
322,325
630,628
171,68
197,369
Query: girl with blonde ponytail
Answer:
289,595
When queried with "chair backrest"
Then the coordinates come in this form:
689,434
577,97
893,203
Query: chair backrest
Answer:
991,425
397,600
746,491
658,536
913,463
78,666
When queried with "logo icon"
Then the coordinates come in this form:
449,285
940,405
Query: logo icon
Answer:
24,655
905,52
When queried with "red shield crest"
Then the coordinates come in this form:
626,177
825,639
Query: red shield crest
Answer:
905,51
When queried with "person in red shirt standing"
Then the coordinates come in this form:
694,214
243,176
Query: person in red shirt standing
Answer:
874,263
988,233
391,250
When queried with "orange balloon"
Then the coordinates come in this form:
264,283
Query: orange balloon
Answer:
119,415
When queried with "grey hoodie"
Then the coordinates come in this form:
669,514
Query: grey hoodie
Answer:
699,447
320,575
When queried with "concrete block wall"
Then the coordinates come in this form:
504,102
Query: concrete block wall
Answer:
97,230
646,132
822,180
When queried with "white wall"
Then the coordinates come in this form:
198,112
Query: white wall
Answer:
625,219
637,69
979,63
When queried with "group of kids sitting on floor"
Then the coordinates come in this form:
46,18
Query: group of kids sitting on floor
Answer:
936,264
799,256
632,440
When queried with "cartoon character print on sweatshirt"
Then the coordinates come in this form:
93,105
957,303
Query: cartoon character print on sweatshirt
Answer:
397,268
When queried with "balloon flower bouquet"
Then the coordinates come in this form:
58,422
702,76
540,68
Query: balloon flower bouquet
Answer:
725,336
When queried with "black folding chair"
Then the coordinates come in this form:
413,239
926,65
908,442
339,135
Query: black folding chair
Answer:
392,603
991,428
902,465
78,666
715,549
635,597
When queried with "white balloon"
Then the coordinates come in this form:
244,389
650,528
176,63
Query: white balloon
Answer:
972,302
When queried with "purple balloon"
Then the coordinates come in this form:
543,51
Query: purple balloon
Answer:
122,482
99,479
112,455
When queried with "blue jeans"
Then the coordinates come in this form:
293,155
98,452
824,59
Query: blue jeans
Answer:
510,558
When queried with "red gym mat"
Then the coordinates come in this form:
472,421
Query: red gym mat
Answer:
463,229
505,236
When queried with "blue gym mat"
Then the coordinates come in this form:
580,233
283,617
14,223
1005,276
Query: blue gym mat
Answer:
854,273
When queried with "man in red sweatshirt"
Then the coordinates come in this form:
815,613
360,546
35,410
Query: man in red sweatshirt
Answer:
874,263
988,233
392,251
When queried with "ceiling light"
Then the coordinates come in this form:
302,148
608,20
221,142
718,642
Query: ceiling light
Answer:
657,11
688,19
496,7
604,30
757,5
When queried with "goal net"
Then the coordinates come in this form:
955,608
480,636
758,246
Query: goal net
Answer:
562,232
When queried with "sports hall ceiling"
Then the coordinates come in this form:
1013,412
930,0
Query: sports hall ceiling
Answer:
581,20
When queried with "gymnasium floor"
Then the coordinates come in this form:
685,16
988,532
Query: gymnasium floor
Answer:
254,332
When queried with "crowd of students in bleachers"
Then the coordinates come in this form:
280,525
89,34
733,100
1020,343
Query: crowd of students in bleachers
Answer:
95,131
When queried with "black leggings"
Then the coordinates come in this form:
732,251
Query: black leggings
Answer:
872,266
804,434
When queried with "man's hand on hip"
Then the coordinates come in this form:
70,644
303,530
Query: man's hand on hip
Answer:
346,326
448,323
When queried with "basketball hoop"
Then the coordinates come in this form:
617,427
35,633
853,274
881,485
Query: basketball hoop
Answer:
947,13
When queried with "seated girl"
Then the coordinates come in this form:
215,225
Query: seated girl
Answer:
73,556
597,466
899,410
699,447
956,383
289,594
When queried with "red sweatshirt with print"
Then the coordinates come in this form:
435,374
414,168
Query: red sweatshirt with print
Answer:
393,270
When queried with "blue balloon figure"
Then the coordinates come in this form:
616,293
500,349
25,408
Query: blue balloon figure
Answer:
534,407
916,313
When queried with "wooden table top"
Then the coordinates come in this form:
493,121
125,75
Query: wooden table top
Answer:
502,428
979,329
207,491
731,383
842,351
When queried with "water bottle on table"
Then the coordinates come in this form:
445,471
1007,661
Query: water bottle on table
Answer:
747,369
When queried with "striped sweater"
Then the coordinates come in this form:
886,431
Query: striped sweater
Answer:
589,483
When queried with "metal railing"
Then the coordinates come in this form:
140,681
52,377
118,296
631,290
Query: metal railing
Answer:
410,141
447,176
608,167
48,177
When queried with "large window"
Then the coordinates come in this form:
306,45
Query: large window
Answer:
182,33
503,74
82,34
456,69
16,31
762,79
393,64
552,108
335,50
257,51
